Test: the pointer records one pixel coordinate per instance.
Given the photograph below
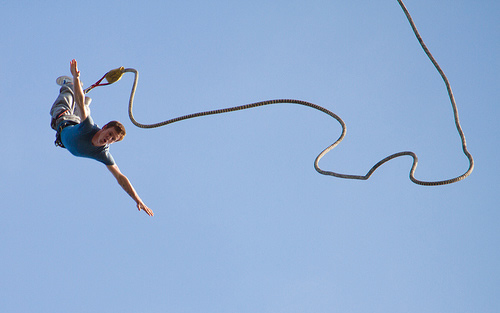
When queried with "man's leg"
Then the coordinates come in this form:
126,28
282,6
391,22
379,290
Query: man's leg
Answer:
64,107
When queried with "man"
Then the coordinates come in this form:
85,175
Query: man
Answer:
77,132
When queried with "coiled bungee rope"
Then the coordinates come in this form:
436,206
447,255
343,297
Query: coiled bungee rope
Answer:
116,74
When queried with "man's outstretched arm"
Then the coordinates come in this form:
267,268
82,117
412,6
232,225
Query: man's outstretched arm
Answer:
77,88
127,186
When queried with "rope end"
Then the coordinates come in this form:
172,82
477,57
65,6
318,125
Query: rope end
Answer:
115,75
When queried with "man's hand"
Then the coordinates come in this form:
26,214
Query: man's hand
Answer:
142,206
127,186
74,68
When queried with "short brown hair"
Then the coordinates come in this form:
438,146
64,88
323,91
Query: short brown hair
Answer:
119,128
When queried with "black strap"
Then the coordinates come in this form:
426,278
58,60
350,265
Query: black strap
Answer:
58,142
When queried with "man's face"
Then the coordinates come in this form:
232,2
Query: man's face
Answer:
107,136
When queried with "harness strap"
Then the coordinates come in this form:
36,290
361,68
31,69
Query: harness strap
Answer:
58,142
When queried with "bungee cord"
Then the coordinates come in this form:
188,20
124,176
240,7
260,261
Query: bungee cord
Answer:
114,75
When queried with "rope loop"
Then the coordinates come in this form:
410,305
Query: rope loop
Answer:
333,115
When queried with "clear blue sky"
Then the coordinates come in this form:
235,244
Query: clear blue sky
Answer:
243,222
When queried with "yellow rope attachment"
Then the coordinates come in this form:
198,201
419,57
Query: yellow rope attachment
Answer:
114,75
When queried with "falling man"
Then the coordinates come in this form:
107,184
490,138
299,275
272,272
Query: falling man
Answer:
76,131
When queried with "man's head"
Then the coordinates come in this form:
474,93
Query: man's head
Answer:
112,132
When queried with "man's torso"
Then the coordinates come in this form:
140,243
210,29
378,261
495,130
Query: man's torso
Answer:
78,140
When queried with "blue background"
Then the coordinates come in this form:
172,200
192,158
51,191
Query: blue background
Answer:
243,222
